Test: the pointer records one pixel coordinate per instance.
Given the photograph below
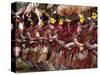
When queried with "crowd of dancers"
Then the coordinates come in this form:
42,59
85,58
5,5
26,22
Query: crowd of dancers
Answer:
58,37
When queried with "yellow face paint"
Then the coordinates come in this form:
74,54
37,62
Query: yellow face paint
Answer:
42,23
82,19
94,15
52,20
61,21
